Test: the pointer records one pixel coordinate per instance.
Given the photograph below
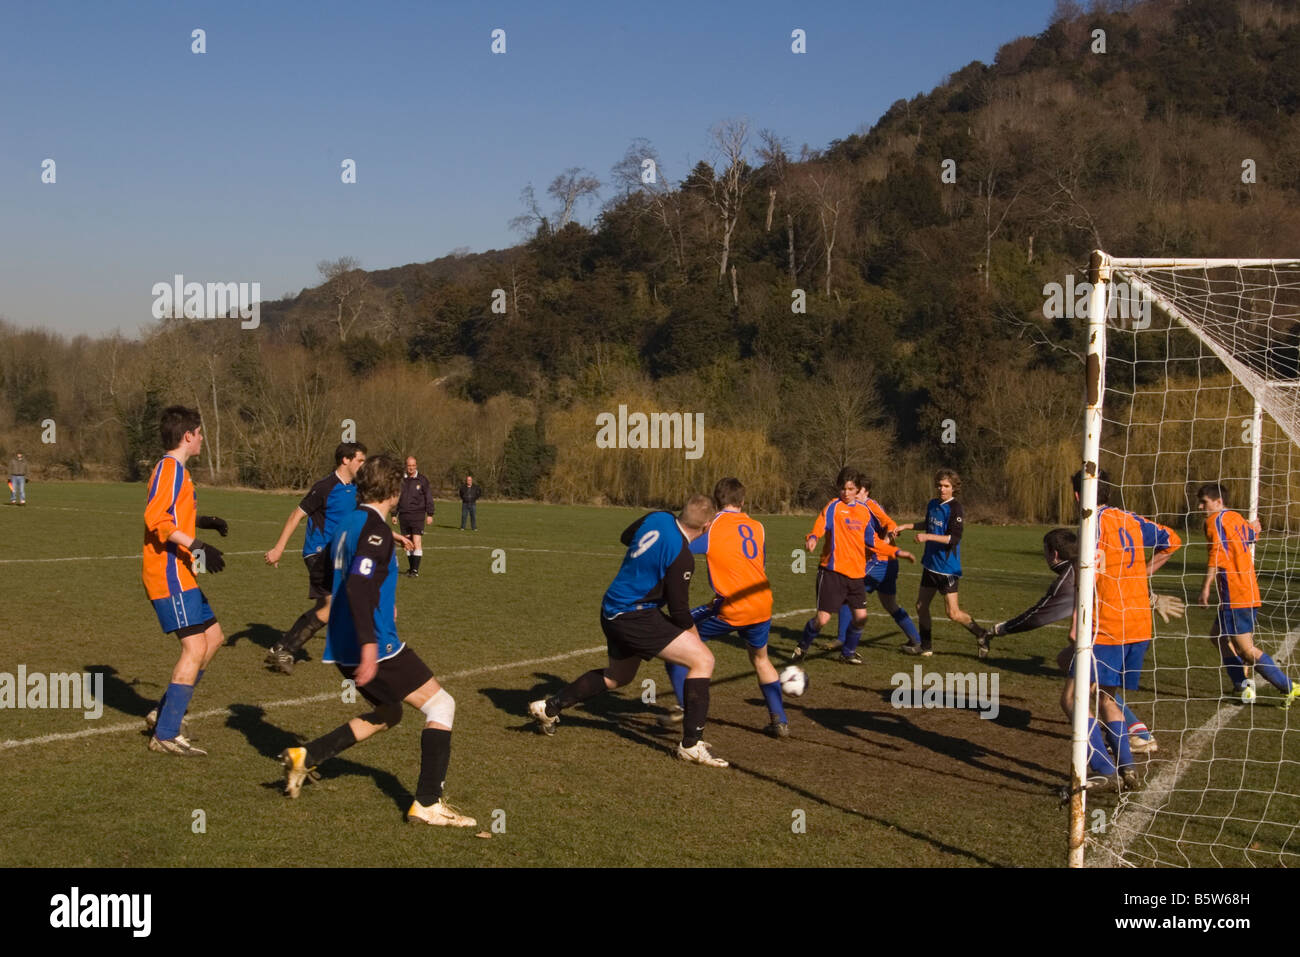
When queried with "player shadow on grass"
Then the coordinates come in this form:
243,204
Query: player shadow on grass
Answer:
121,695
269,740
259,634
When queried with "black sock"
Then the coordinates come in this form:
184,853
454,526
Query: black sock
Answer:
697,711
974,628
435,754
588,686
328,745
306,626
415,562
925,637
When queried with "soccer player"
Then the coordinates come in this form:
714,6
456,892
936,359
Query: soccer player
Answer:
845,523
362,641
941,562
170,548
656,571
735,547
881,577
1061,551
414,512
1231,568
1122,621
329,501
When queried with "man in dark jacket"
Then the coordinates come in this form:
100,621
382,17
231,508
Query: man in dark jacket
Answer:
414,512
469,493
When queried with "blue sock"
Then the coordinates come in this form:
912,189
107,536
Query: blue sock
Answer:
1098,757
1236,669
905,622
176,702
677,675
851,639
1117,738
846,622
809,633
772,695
199,677
1274,675
1135,724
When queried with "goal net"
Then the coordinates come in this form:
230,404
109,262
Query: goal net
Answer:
1194,378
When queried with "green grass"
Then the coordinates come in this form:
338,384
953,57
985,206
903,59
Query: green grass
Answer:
876,786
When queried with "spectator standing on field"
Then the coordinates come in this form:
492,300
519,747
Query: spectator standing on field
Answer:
18,479
469,493
414,513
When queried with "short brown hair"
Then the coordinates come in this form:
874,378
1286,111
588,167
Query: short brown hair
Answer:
348,450
728,491
380,480
1213,491
1064,543
176,421
952,476
697,512
1103,486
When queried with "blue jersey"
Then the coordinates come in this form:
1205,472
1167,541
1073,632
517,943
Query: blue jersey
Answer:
365,590
656,570
943,518
329,502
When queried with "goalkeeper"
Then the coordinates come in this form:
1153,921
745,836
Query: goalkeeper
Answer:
1061,551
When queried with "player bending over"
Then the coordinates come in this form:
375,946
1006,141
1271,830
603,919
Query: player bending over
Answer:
941,563
1122,628
735,547
881,577
329,501
1231,567
362,641
169,556
656,571
845,523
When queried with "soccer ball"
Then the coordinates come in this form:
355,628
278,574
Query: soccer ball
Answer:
1248,691
794,681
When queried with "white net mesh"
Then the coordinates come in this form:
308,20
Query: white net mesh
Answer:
1182,382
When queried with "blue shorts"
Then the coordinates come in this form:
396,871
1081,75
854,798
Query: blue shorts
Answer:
1117,666
187,611
883,577
755,636
1237,621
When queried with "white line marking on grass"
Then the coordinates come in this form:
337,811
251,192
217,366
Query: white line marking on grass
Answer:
1137,818
137,724
428,548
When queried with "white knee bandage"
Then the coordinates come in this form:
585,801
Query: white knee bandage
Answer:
418,551
440,709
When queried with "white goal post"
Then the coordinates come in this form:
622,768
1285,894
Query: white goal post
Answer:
1222,362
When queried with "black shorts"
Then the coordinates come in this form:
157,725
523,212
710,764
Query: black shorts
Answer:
834,589
411,524
638,634
943,584
397,677
320,575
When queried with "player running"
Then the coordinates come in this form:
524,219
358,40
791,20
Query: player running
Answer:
170,553
329,501
845,523
1122,622
363,643
881,577
1231,568
736,550
656,571
941,562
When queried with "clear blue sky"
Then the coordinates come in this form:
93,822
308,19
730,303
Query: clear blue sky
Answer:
225,166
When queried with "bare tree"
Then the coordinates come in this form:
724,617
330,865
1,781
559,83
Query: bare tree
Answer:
728,188
531,219
829,187
569,187
346,286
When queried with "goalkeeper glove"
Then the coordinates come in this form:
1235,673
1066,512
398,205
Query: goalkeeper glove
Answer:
214,523
1167,606
212,559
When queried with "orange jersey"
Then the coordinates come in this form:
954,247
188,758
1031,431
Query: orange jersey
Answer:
1231,538
736,547
172,506
845,527
880,526
1123,602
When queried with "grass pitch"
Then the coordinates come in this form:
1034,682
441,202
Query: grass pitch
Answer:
859,783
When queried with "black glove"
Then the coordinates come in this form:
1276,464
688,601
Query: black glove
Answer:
212,559
214,523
